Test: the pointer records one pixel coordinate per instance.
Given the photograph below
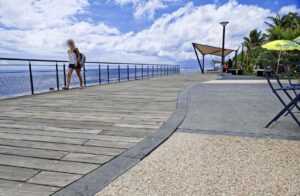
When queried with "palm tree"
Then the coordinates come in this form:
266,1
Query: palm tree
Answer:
291,21
283,27
275,21
253,41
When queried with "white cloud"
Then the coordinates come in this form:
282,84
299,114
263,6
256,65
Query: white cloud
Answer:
146,7
42,27
29,14
287,9
171,35
40,30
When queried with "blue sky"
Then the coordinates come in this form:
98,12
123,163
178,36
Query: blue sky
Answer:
129,30
111,12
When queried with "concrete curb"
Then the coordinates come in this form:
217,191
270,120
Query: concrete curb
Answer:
99,178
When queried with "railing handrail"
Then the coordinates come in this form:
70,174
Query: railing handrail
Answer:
91,62
162,70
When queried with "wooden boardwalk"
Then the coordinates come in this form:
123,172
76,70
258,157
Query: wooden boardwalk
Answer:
48,141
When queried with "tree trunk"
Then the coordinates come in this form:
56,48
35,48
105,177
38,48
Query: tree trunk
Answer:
278,62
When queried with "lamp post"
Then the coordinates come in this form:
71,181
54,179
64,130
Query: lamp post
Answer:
242,58
224,23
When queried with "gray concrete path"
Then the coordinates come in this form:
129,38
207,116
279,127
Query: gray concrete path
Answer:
236,107
221,148
49,141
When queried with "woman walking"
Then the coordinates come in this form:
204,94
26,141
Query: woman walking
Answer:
74,63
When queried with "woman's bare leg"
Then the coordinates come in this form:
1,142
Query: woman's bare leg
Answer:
69,76
78,71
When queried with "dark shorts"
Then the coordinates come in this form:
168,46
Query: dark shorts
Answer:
73,66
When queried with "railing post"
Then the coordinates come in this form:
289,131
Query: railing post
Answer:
128,76
31,79
65,79
159,72
167,70
135,72
119,73
147,71
99,71
142,72
84,79
107,68
57,77
152,71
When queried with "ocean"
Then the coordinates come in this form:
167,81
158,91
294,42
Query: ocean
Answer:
15,81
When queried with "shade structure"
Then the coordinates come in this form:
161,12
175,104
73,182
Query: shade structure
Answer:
209,50
212,50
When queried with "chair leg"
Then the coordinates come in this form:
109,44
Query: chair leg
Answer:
283,102
290,97
286,92
287,108
292,108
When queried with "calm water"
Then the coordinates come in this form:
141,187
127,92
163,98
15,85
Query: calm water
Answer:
15,82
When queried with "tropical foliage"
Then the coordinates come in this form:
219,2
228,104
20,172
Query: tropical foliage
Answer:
285,27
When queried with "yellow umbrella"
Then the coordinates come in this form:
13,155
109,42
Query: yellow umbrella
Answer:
281,45
297,40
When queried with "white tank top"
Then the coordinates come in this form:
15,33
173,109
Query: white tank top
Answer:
72,57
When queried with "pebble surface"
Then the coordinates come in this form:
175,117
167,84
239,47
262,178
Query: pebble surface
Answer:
211,165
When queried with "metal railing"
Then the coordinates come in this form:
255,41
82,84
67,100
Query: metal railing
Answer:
32,76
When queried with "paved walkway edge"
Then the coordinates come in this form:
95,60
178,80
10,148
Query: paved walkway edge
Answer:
99,178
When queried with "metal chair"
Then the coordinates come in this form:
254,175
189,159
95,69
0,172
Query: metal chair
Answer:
292,99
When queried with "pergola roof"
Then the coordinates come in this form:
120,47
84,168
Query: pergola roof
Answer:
211,50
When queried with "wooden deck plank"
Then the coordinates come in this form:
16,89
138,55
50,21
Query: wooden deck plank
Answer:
140,133
41,138
111,144
62,147
82,136
38,153
46,164
11,188
77,131
16,173
47,128
87,158
54,178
